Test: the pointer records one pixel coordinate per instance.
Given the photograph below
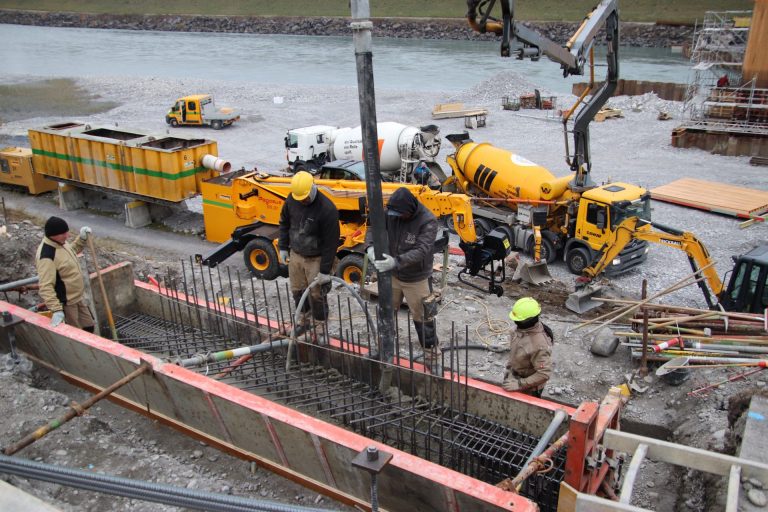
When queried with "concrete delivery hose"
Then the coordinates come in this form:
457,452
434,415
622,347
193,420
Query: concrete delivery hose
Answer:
303,299
137,489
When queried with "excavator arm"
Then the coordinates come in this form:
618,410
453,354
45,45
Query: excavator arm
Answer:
572,57
684,241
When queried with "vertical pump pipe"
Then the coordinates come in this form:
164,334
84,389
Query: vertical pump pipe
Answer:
361,36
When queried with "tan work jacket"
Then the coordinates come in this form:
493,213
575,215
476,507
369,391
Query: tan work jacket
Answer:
530,357
58,269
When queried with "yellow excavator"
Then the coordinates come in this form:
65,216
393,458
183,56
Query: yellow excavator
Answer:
747,289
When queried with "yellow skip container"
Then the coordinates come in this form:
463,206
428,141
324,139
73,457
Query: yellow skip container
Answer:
164,167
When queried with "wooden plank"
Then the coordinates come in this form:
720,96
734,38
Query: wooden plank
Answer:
715,197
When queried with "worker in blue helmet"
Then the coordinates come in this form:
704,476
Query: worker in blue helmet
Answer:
530,356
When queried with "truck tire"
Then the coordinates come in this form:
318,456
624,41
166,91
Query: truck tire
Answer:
173,122
261,259
216,125
577,260
482,226
350,268
548,252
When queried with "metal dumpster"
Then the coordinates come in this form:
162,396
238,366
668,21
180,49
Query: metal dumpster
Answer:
163,167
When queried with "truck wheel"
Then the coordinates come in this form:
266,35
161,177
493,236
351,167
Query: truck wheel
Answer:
350,268
482,226
261,259
548,253
174,122
577,260
216,125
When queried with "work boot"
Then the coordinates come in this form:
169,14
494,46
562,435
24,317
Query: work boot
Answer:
427,334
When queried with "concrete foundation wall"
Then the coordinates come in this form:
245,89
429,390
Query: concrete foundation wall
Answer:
720,143
308,450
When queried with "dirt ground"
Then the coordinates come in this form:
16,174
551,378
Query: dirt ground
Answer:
634,149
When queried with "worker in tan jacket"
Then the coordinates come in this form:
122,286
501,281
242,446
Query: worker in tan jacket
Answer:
530,357
60,278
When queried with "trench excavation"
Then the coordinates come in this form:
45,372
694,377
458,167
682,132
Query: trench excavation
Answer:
422,414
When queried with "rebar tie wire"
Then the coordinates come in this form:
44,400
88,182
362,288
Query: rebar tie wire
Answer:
141,490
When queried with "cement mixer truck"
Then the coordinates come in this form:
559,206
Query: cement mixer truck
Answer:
401,148
530,203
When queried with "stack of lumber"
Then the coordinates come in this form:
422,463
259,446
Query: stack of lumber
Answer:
449,110
714,197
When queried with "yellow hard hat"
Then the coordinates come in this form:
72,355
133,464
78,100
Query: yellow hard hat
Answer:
301,185
524,309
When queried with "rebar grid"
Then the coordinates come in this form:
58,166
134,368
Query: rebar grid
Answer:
336,383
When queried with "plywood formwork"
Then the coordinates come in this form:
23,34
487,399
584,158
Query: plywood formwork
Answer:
714,197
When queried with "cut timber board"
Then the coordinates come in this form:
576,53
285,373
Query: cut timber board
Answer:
715,197
448,110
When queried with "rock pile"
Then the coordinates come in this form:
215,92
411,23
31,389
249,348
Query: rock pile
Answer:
633,34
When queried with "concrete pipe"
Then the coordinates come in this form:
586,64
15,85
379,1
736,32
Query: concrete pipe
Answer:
216,164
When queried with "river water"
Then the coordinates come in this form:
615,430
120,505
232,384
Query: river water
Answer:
409,64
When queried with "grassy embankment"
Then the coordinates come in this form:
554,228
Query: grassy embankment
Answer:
679,11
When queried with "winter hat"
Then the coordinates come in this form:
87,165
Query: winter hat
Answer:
55,226
402,202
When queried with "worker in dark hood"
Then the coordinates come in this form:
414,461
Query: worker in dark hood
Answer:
412,229
309,237
530,355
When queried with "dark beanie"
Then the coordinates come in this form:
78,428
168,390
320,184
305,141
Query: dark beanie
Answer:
55,226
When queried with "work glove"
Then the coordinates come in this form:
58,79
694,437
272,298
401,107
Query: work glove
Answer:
284,256
323,278
386,264
85,231
383,265
57,318
511,384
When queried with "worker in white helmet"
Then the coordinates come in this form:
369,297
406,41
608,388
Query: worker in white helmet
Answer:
530,357
309,237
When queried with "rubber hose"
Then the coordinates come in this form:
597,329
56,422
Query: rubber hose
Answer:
137,489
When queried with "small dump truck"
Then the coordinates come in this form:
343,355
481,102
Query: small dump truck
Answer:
200,110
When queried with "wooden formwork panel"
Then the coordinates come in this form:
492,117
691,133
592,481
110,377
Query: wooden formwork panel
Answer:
714,197
308,450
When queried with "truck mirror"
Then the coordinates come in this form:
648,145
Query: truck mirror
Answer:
600,219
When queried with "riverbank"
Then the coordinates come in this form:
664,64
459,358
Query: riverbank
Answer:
647,35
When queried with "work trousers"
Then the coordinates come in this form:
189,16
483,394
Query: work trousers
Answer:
302,270
78,315
414,294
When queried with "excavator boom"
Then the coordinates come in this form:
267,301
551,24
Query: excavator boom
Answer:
635,228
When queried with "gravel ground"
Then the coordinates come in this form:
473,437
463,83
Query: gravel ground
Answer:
635,149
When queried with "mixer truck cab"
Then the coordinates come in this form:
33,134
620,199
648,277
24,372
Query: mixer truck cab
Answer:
200,110
600,211
306,149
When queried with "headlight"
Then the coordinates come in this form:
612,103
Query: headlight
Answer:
616,261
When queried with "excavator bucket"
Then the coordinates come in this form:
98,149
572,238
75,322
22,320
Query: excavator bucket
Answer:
582,300
533,273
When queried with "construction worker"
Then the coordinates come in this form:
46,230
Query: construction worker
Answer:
60,278
309,237
412,230
530,357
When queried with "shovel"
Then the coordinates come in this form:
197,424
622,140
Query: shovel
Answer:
582,300
103,289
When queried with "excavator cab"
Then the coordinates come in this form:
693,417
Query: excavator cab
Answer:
747,289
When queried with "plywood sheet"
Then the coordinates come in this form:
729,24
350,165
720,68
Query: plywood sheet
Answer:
714,197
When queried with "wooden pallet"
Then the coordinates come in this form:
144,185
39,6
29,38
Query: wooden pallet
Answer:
745,203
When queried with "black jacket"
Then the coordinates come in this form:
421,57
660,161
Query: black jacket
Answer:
412,240
311,230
